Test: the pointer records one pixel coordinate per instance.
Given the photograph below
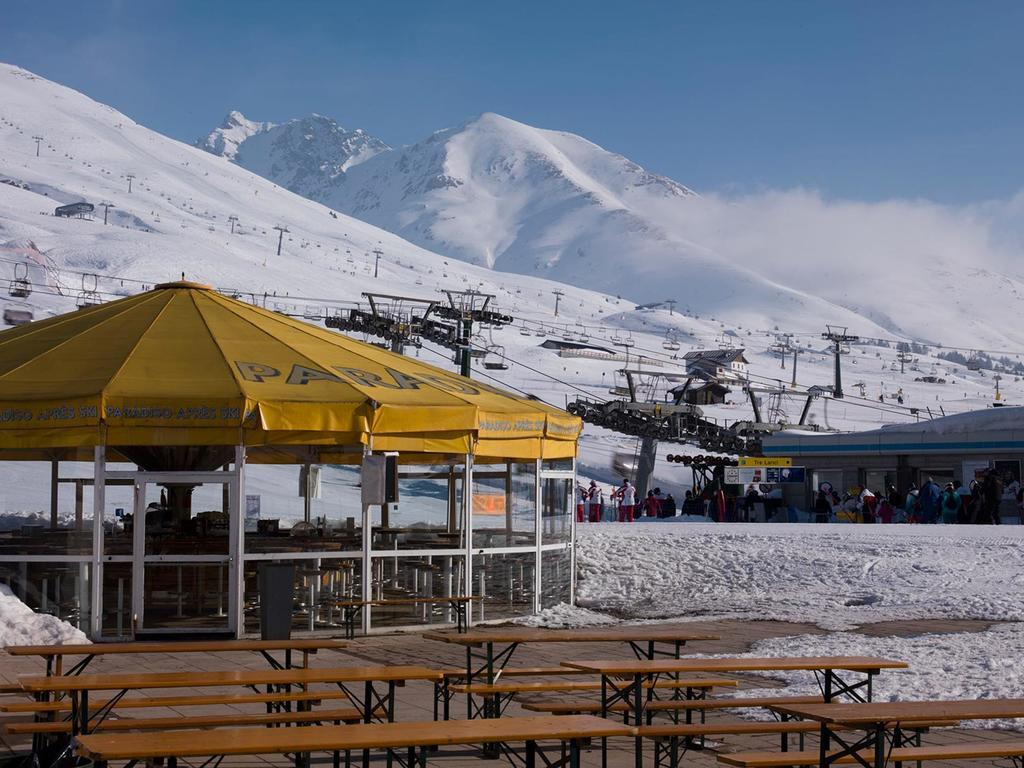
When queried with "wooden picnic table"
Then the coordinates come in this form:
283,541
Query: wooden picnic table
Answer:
54,654
487,652
415,737
369,702
630,680
875,719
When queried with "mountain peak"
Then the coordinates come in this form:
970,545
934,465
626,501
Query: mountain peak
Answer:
305,155
235,128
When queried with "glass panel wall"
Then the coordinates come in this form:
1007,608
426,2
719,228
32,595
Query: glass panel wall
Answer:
59,589
275,512
406,581
320,585
556,514
556,575
185,595
504,506
428,514
26,524
117,600
505,584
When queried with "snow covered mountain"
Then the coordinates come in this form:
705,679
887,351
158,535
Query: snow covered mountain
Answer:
305,156
519,199
225,139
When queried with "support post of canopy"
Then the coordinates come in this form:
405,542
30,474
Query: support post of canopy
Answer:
538,519
99,489
307,504
367,563
572,539
54,492
236,546
467,526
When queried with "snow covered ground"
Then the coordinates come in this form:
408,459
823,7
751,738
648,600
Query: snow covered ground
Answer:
836,576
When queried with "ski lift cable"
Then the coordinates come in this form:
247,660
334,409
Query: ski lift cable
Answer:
547,375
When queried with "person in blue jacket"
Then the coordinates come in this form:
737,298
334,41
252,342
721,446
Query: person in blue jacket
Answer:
930,496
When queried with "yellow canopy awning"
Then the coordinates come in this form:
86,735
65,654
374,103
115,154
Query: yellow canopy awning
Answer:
185,365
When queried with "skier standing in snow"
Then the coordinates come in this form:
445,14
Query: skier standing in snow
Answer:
595,499
651,505
822,508
950,505
718,504
626,495
929,497
668,506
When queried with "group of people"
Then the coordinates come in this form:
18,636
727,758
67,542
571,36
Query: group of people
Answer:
624,504
977,504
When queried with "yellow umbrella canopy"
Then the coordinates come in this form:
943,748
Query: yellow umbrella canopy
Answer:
184,365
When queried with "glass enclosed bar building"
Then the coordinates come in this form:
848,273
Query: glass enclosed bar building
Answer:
192,440
501,532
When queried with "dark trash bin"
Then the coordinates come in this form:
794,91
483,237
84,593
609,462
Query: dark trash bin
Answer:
277,593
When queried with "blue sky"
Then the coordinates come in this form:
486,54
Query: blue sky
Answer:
864,100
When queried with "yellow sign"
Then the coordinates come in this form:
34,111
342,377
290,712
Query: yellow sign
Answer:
760,461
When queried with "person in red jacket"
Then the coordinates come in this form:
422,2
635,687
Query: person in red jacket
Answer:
652,505
718,505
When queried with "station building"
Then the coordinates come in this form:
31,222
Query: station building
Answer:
944,449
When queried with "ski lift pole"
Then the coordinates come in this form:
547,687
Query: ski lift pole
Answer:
466,331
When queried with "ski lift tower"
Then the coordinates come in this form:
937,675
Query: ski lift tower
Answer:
840,340
468,308
400,320
395,316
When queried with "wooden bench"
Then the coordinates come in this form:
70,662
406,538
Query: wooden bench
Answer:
483,689
79,687
670,705
502,694
273,700
350,609
668,735
414,738
54,654
967,750
444,693
347,715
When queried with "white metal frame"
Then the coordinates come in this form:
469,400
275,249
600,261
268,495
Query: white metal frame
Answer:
140,559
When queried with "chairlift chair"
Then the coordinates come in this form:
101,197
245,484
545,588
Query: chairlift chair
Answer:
477,350
20,287
670,343
495,361
524,331
618,388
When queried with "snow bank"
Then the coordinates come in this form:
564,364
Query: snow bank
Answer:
960,665
20,625
564,615
836,576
